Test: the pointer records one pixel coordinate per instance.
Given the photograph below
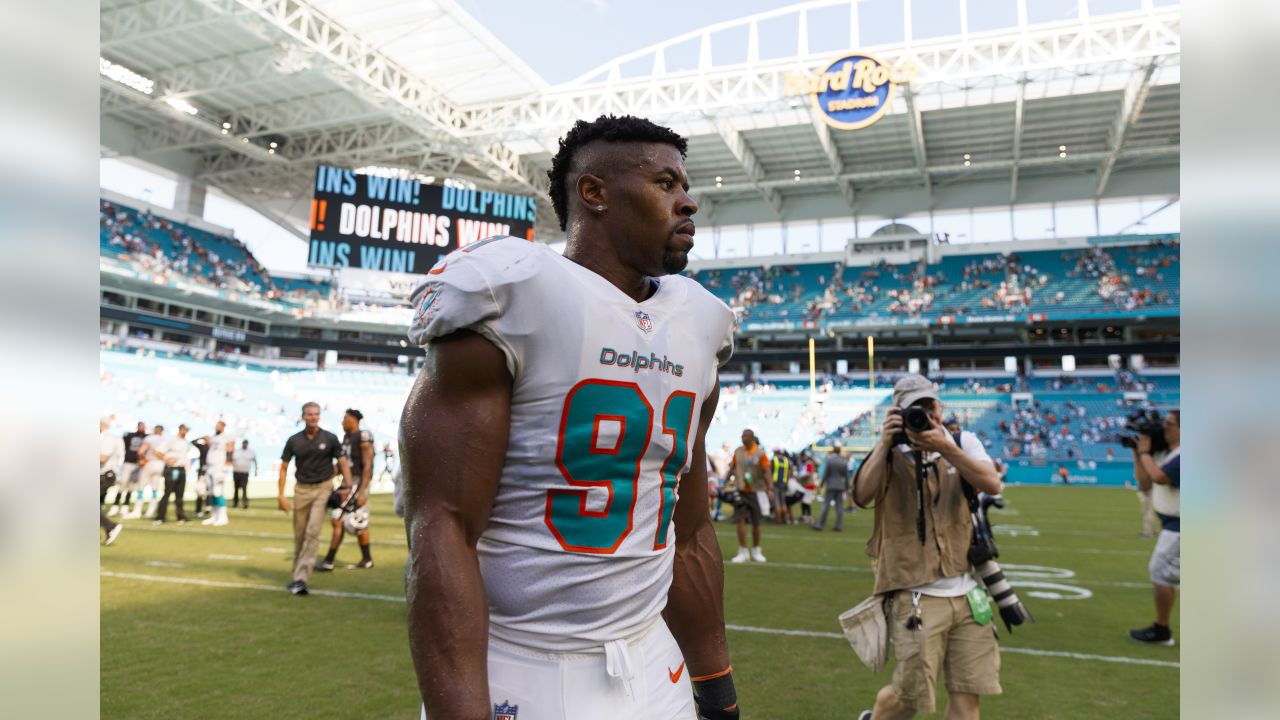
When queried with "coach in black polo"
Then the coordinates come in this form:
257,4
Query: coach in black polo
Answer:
314,452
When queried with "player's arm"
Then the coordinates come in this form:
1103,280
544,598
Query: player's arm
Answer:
281,501
453,438
695,602
366,472
344,467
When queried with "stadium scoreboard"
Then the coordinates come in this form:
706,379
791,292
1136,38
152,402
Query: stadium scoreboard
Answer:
375,222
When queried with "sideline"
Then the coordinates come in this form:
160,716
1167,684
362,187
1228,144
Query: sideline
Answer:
739,628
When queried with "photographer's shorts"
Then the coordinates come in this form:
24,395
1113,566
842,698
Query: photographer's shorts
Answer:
1166,562
949,640
749,504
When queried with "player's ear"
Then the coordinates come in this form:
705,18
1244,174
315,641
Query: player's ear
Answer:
592,193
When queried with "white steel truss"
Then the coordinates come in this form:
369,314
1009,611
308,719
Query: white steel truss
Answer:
368,109
740,87
1135,96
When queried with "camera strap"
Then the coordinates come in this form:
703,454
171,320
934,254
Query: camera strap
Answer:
919,495
970,494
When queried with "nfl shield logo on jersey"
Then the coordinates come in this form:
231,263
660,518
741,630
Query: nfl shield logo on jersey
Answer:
503,711
644,321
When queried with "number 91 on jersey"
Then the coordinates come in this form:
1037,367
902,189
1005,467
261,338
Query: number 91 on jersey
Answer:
585,464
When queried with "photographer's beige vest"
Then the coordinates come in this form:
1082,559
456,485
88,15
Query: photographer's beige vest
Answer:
899,558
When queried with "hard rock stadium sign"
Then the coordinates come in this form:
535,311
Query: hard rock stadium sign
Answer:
853,92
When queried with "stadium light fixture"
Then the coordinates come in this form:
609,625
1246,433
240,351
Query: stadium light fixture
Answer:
274,144
718,178
1062,151
181,105
125,76
797,175
968,162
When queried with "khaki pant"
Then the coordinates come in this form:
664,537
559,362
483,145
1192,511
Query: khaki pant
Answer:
309,512
949,640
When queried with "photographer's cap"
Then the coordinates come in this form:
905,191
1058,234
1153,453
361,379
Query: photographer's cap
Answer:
912,388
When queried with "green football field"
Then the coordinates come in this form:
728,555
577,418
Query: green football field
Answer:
195,621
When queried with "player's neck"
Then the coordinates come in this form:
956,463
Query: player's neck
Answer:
637,285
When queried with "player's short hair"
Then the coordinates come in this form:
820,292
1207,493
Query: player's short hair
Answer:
309,403
626,128
355,413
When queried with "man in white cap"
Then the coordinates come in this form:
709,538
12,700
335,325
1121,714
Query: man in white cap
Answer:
919,551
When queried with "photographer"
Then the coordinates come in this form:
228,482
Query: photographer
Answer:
919,551
1160,472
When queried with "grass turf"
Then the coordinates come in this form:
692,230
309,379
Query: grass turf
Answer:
195,622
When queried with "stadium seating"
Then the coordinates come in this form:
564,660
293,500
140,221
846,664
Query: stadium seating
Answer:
1134,277
156,244
261,405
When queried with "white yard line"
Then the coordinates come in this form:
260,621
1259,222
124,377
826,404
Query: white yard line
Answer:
851,539
1014,577
1003,648
245,586
797,566
740,628
248,534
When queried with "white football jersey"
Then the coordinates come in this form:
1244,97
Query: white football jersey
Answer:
604,411
218,448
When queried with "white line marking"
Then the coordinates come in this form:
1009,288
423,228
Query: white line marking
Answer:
220,556
248,534
1013,575
1003,648
727,532
797,566
741,628
246,586
162,563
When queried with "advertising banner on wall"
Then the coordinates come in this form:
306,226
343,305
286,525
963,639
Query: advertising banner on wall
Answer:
404,225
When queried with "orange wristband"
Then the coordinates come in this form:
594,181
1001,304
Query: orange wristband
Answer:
712,676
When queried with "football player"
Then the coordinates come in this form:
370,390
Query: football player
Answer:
350,513
562,559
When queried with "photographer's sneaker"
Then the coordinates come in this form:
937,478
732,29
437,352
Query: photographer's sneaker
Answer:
1153,635
297,587
324,566
114,533
757,555
864,715
741,557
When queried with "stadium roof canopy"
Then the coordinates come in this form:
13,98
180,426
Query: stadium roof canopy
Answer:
249,95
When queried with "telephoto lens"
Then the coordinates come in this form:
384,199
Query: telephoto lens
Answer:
1012,611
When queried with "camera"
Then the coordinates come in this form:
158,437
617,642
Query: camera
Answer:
915,419
982,556
1144,422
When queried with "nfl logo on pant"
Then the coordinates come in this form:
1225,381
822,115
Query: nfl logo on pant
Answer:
503,711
